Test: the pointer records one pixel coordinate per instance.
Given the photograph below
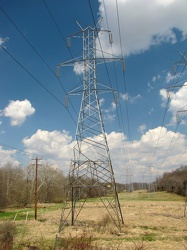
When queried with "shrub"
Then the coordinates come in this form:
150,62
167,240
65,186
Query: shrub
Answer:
7,231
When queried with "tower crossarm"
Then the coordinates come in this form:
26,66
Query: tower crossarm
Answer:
91,171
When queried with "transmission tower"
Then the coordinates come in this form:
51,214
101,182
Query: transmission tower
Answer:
151,187
182,62
91,173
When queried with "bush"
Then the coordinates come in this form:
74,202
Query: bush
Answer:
7,231
83,241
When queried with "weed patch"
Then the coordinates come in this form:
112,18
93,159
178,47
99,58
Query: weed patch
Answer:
149,237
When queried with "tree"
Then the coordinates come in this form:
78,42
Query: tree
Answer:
174,182
51,183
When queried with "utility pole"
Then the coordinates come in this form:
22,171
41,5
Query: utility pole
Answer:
185,201
36,188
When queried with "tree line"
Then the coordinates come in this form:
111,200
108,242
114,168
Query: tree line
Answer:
17,185
174,182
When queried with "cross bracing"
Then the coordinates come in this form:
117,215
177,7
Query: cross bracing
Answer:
91,172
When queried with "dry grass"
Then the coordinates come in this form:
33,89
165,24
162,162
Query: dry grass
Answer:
155,222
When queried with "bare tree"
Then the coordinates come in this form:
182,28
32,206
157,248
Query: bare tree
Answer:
51,183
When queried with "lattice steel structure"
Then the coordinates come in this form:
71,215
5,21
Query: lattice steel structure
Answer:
150,187
91,172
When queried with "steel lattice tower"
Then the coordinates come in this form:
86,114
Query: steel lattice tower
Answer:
91,171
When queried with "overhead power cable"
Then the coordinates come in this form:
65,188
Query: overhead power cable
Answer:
124,84
125,151
49,92
57,27
120,122
124,80
106,68
17,149
38,55
65,42
165,112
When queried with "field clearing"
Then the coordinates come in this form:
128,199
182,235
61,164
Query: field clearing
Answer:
154,221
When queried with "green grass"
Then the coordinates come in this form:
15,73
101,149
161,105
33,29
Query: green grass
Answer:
7,215
148,233
139,195
19,214
149,237
142,195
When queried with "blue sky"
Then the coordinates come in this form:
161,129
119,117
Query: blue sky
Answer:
33,119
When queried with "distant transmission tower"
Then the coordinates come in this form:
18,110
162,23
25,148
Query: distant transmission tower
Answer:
151,187
182,62
91,173
129,184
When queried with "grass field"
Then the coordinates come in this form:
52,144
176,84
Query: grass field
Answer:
154,221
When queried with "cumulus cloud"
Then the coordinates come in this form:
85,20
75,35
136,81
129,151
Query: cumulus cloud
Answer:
137,155
55,145
142,23
18,111
178,101
7,156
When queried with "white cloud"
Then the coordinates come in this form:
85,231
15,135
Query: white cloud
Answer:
130,99
109,117
6,157
142,23
135,98
113,106
78,68
57,147
101,101
108,114
170,77
18,111
3,40
1,131
142,128
151,111
177,101
138,155
124,96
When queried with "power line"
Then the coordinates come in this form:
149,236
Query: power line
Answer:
100,44
166,108
49,92
13,23
124,84
122,121
18,150
165,112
